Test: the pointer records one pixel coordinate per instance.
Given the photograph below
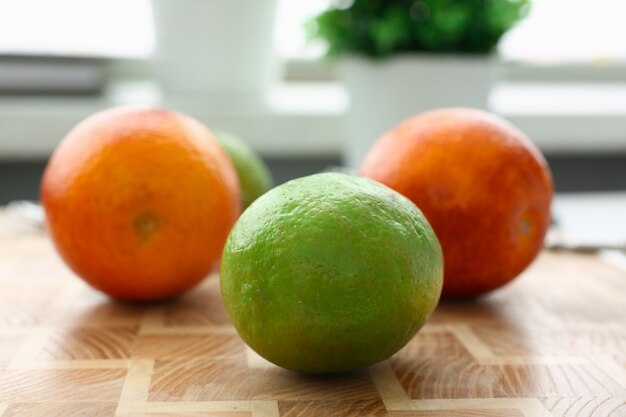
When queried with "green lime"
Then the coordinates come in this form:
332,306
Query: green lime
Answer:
254,177
330,273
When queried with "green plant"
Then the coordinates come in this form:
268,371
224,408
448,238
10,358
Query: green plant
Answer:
379,28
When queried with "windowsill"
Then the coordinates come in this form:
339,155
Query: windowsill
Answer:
306,118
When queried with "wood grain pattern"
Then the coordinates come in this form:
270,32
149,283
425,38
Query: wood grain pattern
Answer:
501,412
89,343
188,414
551,344
278,384
209,346
53,409
332,408
61,385
586,406
199,380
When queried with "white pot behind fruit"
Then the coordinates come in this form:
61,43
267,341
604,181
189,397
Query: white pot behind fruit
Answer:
386,92
215,46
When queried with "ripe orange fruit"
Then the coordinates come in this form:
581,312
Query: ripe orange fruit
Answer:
330,273
482,185
139,202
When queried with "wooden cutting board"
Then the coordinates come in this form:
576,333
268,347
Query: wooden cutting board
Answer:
551,344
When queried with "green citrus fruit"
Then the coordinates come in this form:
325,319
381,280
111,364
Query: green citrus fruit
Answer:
330,273
254,177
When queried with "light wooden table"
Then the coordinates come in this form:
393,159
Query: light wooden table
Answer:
551,344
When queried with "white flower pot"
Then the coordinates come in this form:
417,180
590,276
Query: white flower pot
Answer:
384,93
215,46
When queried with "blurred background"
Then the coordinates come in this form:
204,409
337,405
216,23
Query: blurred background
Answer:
309,93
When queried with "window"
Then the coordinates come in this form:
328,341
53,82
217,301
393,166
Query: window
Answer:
556,32
570,31
291,40
111,28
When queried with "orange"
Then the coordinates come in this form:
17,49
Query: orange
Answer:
139,202
483,186
330,273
